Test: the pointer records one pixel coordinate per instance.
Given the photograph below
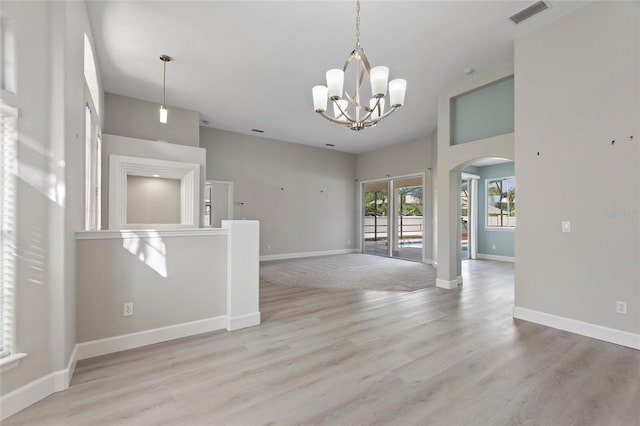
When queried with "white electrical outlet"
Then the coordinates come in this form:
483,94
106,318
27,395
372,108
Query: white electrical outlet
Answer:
348,242
566,226
268,246
621,307
128,309
493,247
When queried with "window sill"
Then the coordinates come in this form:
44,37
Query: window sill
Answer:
505,229
11,361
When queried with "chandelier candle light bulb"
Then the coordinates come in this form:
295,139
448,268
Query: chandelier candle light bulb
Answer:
348,111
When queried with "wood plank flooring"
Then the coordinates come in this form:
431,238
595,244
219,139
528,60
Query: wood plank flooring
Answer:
358,357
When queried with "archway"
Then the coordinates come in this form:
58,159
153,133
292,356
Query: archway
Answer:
450,215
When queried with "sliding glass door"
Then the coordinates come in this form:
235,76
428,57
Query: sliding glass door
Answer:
392,217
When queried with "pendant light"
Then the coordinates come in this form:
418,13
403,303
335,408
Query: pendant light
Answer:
163,107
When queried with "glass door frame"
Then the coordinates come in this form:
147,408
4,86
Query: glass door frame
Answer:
392,235
472,224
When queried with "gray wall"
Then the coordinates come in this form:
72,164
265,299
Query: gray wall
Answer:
50,194
136,118
153,200
169,280
577,89
304,197
503,240
396,160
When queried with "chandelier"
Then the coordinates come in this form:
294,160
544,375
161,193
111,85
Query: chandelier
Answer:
348,110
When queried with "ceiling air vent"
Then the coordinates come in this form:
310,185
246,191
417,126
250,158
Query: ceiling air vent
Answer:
528,12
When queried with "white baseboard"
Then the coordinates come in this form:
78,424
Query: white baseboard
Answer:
29,394
244,321
429,262
64,379
449,285
148,337
496,257
307,254
611,335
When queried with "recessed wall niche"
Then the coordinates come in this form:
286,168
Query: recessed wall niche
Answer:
153,200
149,193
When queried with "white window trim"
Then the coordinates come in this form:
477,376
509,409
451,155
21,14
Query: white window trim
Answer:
93,154
486,207
122,166
11,361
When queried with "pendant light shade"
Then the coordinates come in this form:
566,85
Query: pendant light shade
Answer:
397,89
320,98
163,114
379,77
335,83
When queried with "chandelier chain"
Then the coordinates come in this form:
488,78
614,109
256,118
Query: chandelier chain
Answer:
358,23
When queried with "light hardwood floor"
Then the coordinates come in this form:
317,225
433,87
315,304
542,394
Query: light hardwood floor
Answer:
354,357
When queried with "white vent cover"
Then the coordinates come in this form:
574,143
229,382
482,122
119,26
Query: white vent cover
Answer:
528,12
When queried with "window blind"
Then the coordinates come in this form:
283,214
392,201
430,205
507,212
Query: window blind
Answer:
8,167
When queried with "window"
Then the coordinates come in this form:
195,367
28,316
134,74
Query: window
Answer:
8,80
501,203
8,123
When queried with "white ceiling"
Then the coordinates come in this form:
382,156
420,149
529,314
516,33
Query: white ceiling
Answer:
251,64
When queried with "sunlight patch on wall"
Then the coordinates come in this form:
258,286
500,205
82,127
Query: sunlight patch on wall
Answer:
41,172
148,248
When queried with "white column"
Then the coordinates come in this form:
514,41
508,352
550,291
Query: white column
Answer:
448,200
243,269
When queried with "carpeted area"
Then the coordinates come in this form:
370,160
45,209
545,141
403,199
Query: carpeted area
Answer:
350,271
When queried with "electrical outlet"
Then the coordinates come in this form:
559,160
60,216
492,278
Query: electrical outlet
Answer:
349,242
621,307
566,226
268,246
128,309
493,247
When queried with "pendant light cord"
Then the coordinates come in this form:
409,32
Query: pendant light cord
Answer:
164,58
164,85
